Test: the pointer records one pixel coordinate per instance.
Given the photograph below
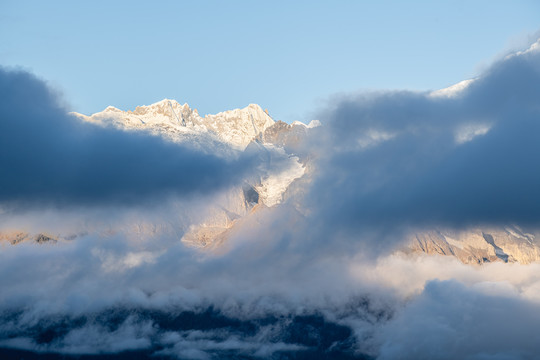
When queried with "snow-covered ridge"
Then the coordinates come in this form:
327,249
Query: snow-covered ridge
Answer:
535,47
236,128
452,91
312,124
458,88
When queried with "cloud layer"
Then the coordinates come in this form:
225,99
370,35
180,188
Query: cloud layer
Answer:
414,159
50,157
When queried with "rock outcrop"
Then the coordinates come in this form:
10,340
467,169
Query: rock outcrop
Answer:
477,246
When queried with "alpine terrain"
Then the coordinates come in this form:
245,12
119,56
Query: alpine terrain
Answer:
284,169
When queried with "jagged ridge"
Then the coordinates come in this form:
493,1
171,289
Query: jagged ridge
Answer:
236,128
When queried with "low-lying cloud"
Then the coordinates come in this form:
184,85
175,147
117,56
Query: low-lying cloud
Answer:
451,321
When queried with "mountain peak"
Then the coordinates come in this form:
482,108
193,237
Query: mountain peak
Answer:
254,106
164,102
236,128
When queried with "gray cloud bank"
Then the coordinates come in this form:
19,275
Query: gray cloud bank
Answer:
50,157
413,159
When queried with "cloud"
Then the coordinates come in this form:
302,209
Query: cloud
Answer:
66,299
84,297
407,159
49,157
295,279
451,321
452,310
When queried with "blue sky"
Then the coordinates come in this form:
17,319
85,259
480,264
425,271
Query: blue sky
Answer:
289,57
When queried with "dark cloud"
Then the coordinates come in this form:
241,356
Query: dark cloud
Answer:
452,321
411,159
48,156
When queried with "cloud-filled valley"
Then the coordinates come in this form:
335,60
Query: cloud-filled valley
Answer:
321,273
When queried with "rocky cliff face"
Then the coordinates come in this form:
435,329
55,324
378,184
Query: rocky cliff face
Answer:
15,237
477,246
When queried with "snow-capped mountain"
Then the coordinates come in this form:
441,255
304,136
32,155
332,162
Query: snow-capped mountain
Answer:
282,174
236,128
250,129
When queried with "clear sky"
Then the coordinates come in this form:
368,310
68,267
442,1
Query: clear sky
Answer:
287,56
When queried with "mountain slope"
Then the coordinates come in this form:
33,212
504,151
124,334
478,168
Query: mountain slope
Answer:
479,245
